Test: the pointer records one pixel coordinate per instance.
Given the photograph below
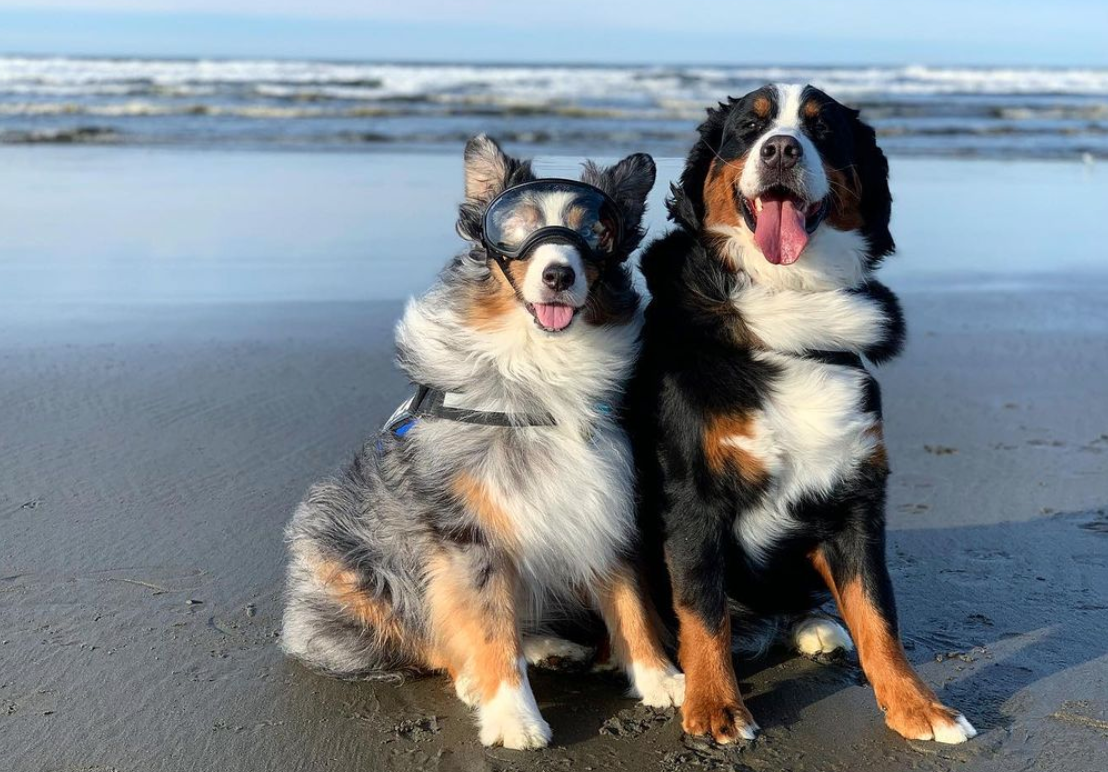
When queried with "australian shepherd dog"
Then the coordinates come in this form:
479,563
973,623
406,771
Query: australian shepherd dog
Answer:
500,496
757,428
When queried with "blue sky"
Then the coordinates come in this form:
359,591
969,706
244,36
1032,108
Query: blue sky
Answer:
940,32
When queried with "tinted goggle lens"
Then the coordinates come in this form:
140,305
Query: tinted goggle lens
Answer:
526,214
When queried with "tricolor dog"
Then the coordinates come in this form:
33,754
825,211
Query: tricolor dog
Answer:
757,427
500,496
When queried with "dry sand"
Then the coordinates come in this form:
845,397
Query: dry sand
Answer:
150,459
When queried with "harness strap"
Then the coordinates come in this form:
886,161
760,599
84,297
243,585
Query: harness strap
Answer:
502,261
429,402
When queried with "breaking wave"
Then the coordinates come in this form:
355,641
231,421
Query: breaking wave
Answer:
997,111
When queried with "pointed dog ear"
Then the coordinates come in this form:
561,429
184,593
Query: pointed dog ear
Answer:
489,171
628,183
875,204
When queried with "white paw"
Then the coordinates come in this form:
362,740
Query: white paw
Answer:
553,653
658,687
957,731
512,719
820,635
930,721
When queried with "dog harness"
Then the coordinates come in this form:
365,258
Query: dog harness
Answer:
428,402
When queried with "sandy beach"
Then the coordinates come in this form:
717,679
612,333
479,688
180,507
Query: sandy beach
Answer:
185,346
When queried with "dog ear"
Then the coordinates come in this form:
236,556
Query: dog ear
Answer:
876,202
489,171
686,200
628,183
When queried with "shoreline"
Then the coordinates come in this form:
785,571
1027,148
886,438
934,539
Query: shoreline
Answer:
227,226
79,138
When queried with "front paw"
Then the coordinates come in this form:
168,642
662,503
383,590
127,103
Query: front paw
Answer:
512,719
928,720
725,720
658,687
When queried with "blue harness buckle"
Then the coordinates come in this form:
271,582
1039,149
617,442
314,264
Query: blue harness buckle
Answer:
402,426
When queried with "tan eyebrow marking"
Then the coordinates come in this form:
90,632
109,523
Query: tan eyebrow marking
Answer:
575,216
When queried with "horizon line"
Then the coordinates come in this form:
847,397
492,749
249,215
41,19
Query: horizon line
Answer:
579,64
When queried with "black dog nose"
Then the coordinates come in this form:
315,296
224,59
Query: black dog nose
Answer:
558,277
781,151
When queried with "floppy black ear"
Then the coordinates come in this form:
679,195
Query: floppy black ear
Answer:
489,171
686,199
876,202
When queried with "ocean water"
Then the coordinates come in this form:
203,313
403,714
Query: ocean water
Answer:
90,229
985,112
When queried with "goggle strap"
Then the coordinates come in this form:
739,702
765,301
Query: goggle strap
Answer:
501,261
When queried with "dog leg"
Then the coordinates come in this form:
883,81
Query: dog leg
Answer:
853,566
472,598
713,705
636,640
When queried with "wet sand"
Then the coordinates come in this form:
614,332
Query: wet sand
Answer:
154,448
144,485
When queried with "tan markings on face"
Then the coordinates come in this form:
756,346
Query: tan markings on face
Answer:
811,108
723,453
910,706
880,456
490,515
846,199
762,107
712,700
473,623
491,304
575,217
522,221
721,202
630,616
373,612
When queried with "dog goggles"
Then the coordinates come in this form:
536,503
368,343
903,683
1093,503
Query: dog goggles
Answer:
521,218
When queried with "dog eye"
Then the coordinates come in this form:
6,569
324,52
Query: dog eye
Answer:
752,125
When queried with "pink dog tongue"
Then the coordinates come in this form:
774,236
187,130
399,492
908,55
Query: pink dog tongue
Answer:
554,316
780,232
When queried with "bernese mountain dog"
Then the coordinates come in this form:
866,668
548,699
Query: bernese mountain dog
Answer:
499,498
757,428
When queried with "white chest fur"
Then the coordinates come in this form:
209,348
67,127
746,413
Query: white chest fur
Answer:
570,497
565,493
811,434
